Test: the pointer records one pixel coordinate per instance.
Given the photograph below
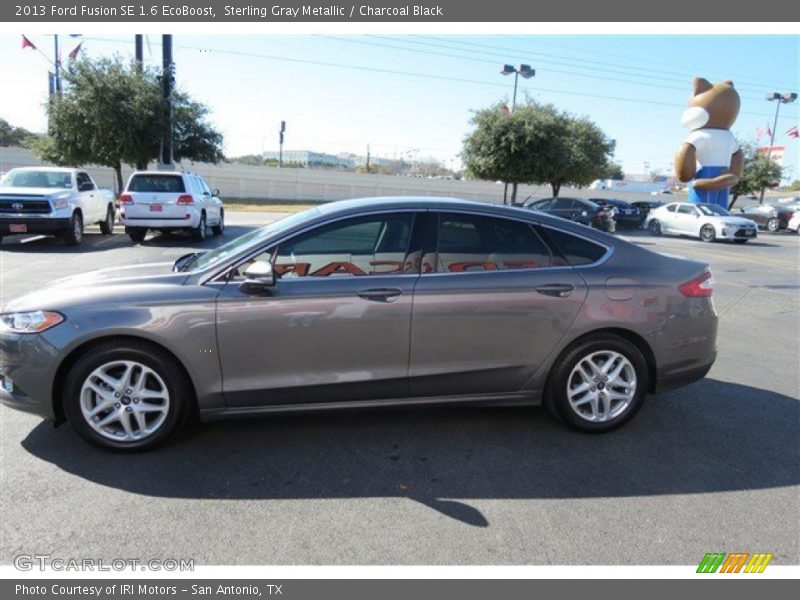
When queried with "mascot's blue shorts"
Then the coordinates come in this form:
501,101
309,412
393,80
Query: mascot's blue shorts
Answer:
719,197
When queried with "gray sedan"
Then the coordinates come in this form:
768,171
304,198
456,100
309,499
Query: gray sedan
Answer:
363,303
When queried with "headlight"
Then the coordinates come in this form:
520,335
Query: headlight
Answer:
61,202
29,322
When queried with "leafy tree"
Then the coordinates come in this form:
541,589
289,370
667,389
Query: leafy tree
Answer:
536,144
112,114
14,136
795,186
758,172
613,171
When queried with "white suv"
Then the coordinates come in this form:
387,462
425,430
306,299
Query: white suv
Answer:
168,201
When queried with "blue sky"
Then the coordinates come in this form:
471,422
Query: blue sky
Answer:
413,94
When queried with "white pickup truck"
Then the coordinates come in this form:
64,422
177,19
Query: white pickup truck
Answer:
53,201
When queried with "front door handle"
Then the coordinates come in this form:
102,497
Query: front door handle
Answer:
559,290
380,294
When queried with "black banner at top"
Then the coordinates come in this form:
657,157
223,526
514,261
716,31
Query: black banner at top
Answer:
24,11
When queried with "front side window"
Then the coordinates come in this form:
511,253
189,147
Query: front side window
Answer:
84,182
685,209
373,245
470,243
563,204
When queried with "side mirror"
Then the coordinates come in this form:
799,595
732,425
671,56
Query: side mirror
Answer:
258,278
215,192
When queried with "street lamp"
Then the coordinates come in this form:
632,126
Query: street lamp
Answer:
786,98
527,72
524,70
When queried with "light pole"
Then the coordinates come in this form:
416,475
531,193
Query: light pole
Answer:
786,98
527,72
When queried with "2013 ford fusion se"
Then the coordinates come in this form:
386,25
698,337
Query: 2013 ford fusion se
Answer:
364,303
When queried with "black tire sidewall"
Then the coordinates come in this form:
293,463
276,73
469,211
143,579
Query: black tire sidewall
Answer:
137,234
171,373
70,237
555,395
655,227
710,238
107,226
200,231
775,228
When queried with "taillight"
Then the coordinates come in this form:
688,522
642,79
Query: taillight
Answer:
185,199
126,199
701,286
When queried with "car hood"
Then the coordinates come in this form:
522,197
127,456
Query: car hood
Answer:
115,284
29,191
733,220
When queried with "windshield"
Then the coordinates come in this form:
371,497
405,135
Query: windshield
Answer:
38,179
712,209
252,238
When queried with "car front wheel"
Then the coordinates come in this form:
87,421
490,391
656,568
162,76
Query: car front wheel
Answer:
73,236
655,227
107,224
219,228
773,225
708,233
598,384
126,396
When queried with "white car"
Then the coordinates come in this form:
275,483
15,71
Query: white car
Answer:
169,201
794,222
708,222
53,201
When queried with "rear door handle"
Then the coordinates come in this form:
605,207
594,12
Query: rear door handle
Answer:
380,294
559,290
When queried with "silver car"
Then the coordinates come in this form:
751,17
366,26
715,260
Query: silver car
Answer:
364,303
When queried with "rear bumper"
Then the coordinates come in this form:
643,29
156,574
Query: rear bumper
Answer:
34,225
169,223
678,379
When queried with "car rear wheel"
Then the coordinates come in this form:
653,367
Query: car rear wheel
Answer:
107,224
708,233
598,384
740,241
74,235
137,234
219,228
199,232
126,396
773,225
655,227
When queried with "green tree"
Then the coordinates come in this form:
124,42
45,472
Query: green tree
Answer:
613,171
758,172
535,144
14,136
111,114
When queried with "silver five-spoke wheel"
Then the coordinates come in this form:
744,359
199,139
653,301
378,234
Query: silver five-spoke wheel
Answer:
601,386
124,400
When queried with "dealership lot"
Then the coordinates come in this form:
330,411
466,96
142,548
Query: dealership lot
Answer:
711,467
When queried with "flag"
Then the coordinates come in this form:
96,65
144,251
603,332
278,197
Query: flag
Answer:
26,43
793,133
759,133
769,131
74,54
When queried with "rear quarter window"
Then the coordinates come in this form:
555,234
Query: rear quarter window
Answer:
577,251
170,184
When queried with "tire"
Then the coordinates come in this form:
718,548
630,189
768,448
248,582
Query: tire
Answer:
603,414
773,225
74,235
199,232
740,241
164,414
137,234
654,227
219,228
107,225
708,233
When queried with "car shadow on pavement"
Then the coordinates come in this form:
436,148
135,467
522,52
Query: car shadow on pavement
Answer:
94,242
712,436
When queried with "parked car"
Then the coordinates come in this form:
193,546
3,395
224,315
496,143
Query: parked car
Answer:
794,222
708,222
771,217
661,193
579,210
315,311
624,213
170,201
53,201
644,207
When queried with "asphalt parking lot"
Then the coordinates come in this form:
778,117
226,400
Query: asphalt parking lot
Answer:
711,467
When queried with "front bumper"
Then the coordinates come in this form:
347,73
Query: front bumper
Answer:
728,232
29,360
34,225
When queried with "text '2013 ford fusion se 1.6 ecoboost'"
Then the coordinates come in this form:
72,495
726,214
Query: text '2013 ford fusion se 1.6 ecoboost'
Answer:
364,303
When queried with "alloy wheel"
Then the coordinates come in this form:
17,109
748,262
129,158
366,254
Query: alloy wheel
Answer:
601,386
124,401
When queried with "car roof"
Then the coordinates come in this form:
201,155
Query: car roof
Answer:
44,168
175,173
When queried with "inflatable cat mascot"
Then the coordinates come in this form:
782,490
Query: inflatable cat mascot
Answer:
710,159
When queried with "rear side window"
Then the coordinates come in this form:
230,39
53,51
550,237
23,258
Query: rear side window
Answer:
563,204
157,183
672,207
469,243
577,251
